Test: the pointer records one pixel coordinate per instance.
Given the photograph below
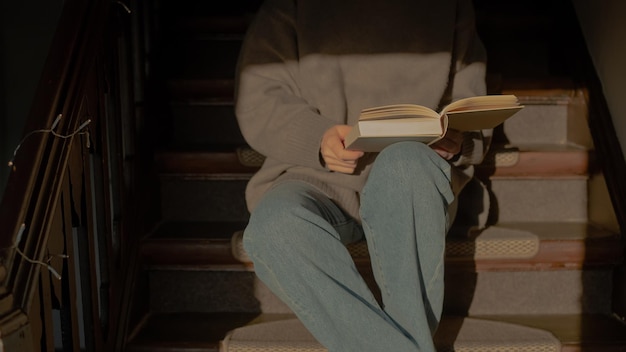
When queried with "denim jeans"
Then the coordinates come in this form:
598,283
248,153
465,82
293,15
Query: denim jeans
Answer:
296,238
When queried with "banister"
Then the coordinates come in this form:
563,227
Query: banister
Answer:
71,89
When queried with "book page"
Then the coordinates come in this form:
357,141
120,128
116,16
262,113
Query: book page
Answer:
397,111
486,102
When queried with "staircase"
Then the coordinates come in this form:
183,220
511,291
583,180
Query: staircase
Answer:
539,279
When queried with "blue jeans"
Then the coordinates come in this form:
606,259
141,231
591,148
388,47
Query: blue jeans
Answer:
296,238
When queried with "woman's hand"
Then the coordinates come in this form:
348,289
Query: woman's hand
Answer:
449,145
335,155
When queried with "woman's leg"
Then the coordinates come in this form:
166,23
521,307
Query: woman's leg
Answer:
404,213
295,240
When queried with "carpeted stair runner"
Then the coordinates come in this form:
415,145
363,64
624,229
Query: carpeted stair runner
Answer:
476,335
491,243
468,334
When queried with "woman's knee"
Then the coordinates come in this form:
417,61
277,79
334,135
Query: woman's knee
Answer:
412,156
411,162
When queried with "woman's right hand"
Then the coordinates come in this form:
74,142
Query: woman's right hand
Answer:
333,152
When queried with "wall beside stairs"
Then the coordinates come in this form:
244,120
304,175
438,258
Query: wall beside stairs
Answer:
604,29
25,35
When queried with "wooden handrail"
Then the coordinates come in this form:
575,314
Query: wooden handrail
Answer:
40,156
64,191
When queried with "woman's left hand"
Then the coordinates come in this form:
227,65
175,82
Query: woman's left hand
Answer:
449,145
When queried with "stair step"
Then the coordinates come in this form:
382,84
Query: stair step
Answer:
236,161
502,161
504,247
528,292
455,334
192,289
550,116
202,112
214,57
536,161
524,183
187,332
562,199
201,198
205,124
565,245
197,290
518,263
577,333
182,332
552,120
203,245
201,19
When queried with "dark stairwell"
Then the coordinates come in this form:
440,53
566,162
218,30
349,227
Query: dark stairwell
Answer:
541,278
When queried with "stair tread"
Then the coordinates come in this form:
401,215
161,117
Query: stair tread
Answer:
186,331
207,160
585,329
561,245
198,244
192,331
542,246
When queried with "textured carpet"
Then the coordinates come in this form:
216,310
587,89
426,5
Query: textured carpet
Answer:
454,334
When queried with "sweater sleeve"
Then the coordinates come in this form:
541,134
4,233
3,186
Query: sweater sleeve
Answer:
469,70
273,117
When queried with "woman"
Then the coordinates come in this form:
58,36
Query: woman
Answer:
307,69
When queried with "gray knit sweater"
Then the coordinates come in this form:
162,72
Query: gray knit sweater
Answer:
307,65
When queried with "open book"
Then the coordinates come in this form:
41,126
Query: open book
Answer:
380,126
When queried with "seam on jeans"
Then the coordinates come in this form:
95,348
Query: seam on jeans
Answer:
435,275
373,250
442,255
